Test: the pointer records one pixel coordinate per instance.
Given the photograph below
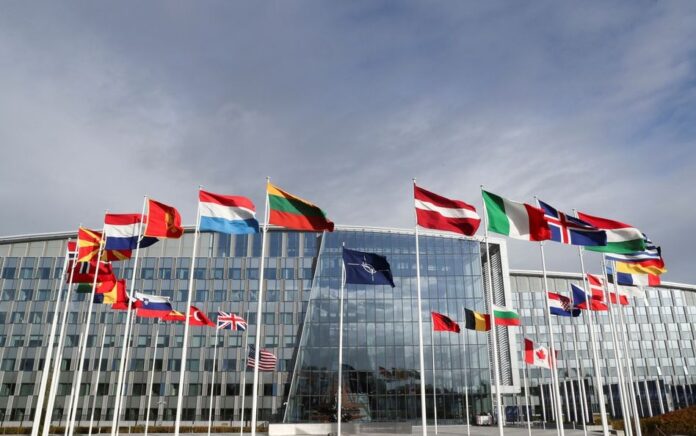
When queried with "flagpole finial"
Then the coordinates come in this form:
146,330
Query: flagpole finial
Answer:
200,187
414,180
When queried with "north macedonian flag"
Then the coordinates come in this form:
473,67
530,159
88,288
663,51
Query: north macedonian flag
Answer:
292,212
163,221
88,247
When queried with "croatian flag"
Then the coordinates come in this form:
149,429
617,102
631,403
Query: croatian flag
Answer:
560,305
570,230
227,214
122,231
152,306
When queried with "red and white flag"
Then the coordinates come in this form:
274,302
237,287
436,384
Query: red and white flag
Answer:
198,318
536,356
436,212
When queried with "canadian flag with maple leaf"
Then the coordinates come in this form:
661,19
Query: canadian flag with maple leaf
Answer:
536,355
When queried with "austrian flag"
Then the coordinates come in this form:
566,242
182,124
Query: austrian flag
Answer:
436,212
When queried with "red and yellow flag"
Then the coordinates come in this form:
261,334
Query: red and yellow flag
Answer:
291,212
163,221
88,247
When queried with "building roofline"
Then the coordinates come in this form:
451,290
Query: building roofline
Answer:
578,276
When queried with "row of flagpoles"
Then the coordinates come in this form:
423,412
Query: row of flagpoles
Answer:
123,235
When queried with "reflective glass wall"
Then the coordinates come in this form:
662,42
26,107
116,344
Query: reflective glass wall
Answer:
381,371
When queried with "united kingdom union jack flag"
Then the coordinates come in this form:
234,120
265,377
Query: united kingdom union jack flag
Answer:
230,321
570,230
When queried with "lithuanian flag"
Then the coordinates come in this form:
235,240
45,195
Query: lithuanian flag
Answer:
295,213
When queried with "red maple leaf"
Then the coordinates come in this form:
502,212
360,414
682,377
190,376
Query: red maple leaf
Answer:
540,354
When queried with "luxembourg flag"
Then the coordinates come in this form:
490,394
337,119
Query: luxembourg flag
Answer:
152,306
122,231
227,214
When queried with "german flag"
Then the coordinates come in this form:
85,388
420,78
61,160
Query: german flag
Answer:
295,213
477,321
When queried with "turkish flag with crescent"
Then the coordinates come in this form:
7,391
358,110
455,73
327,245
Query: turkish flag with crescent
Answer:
198,318
163,221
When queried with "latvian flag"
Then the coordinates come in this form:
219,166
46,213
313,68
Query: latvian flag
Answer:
436,212
267,360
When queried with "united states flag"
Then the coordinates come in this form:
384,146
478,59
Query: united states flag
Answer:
230,321
267,360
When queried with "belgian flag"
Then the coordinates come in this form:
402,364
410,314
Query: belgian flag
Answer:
477,321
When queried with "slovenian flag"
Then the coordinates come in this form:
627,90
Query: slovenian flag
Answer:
122,231
227,214
152,306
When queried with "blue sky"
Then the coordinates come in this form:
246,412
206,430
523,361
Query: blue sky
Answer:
589,105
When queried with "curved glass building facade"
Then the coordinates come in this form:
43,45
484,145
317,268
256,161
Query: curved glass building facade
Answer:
381,381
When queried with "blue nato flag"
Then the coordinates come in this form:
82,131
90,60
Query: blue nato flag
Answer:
366,268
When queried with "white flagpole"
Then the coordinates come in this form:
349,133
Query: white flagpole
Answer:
259,322
572,388
212,379
96,383
432,349
128,359
494,328
466,377
658,389
152,381
421,358
49,348
599,384
543,401
625,397
554,369
244,371
52,393
526,401
189,302
629,361
647,397
126,334
73,388
565,397
83,350
340,346
581,385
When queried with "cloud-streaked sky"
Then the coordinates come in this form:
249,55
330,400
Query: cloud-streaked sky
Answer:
589,105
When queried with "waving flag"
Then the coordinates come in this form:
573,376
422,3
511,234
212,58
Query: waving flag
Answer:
621,238
88,247
442,323
83,272
367,268
536,355
477,321
436,212
515,220
227,214
570,230
648,261
122,232
291,212
506,317
230,321
267,360
162,221
630,279
111,293
174,316
560,305
580,299
198,318
152,306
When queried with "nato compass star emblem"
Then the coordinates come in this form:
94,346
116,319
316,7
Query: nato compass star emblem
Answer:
368,268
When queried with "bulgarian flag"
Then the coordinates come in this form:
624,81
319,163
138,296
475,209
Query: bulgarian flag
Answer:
295,213
621,238
515,220
506,317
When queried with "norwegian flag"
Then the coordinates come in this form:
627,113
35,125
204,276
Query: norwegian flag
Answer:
570,230
230,321
267,360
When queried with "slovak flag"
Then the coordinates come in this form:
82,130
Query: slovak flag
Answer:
122,231
536,355
198,318
560,305
570,230
229,214
152,306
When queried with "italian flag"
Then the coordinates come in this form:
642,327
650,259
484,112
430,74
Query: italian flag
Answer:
291,212
621,238
515,220
506,317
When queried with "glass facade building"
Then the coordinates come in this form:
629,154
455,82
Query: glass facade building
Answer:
381,374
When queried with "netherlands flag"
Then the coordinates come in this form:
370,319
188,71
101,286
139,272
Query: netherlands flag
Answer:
122,231
227,214
152,306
